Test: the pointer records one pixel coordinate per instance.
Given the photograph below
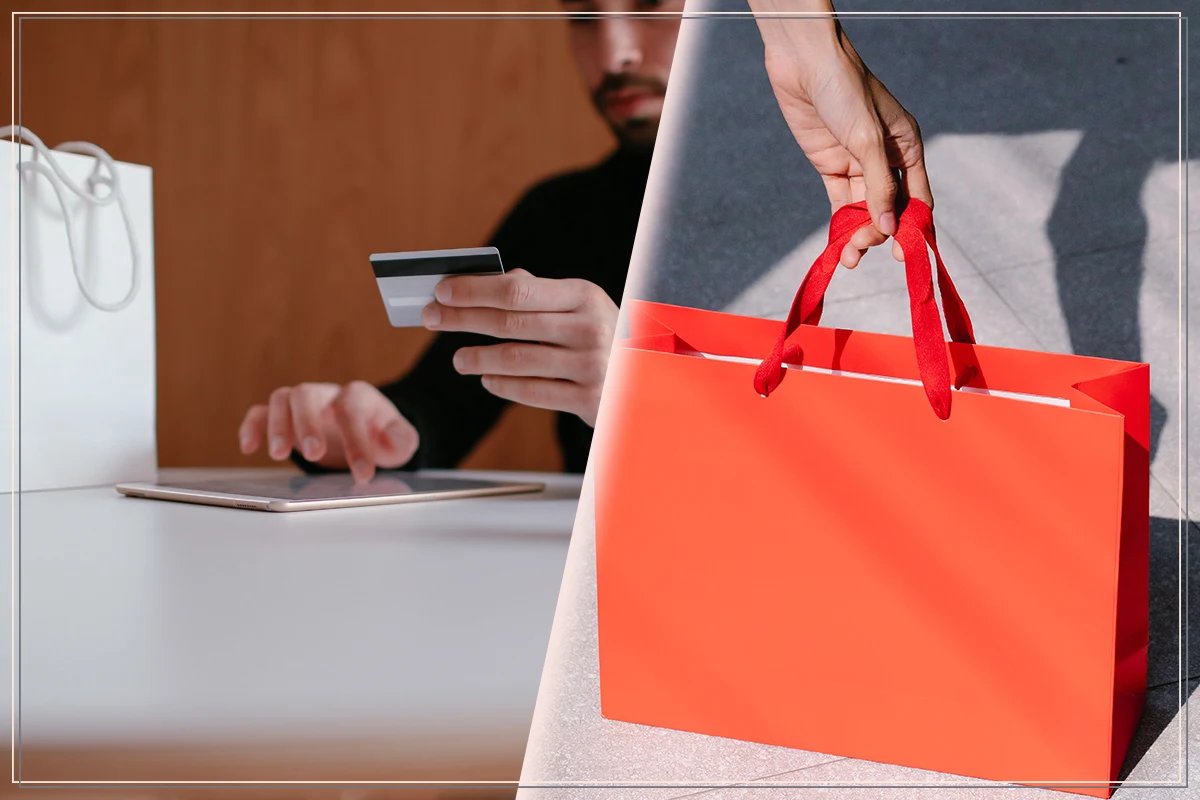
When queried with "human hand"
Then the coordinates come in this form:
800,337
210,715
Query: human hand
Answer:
334,426
850,127
565,330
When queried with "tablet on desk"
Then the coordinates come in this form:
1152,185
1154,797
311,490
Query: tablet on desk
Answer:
310,492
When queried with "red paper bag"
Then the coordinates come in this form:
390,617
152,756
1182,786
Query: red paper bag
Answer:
811,538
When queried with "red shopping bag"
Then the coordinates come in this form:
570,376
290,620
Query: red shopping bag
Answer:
904,550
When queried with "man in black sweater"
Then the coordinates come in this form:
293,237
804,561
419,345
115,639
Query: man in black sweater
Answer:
538,335
576,232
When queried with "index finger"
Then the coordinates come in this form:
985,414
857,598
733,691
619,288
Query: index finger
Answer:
838,189
512,291
352,416
916,182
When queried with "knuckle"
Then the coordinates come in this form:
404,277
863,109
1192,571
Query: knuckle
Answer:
581,290
303,393
516,292
514,355
597,335
864,138
587,293
338,404
914,125
915,152
511,323
359,392
607,332
596,365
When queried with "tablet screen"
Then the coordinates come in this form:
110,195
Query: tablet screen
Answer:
338,486
334,490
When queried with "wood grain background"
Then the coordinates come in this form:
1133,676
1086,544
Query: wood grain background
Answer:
287,150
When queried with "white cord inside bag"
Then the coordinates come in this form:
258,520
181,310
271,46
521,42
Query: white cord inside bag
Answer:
59,179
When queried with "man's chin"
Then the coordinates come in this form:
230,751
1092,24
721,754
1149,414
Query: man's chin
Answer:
636,134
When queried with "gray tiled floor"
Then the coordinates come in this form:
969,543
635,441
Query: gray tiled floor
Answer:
994,320
1166,665
1158,763
997,202
771,294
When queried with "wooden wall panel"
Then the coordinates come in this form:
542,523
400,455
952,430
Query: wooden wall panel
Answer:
287,150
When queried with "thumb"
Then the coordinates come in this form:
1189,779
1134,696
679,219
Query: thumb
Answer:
872,156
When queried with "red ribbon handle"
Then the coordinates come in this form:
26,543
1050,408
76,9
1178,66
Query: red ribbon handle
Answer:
915,234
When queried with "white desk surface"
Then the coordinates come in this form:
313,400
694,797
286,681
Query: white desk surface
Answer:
154,625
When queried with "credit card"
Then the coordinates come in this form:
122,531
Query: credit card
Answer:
406,280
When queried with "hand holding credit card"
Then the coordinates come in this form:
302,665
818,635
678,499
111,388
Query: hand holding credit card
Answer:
558,332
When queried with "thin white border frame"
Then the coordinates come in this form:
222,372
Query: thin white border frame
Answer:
18,16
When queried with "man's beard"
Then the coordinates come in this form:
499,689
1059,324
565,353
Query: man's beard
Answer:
635,133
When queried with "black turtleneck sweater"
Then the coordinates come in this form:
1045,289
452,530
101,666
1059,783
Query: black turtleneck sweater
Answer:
577,225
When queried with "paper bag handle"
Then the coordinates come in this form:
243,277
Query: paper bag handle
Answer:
914,233
56,175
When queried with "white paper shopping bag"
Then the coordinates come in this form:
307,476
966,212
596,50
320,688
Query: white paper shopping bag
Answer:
77,367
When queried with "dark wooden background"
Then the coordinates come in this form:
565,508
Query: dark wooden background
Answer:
284,152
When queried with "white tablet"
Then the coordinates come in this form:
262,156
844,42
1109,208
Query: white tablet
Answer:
334,490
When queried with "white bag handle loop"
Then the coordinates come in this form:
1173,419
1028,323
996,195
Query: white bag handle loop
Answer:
89,195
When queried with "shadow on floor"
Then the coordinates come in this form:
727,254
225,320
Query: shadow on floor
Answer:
1163,699
1164,655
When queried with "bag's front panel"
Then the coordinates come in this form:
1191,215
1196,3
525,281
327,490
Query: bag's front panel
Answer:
835,569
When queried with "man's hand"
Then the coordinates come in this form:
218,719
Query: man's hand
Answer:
850,127
565,330
333,426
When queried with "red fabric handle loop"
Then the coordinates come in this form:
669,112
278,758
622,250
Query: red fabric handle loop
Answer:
915,235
